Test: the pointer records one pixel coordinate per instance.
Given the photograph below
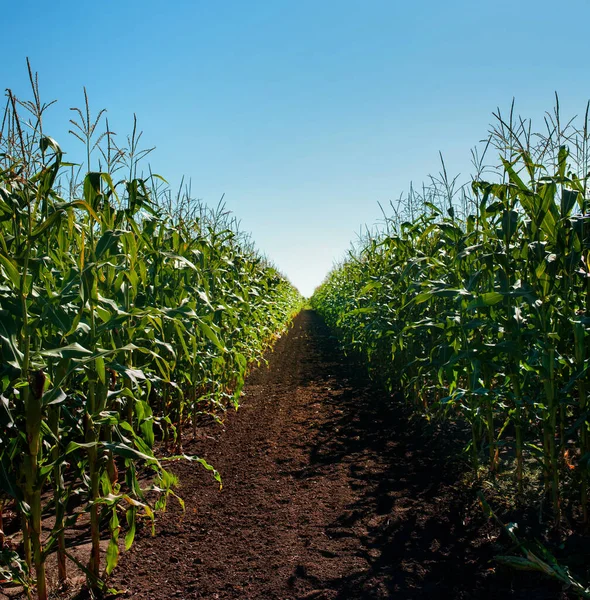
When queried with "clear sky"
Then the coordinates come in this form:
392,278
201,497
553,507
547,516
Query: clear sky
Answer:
305,113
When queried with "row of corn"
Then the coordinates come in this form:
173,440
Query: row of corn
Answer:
125,317
474,304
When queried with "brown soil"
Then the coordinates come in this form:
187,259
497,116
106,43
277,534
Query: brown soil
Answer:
328,493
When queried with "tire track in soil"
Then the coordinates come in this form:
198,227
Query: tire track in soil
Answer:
328,493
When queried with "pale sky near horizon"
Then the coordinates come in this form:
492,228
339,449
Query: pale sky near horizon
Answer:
306,114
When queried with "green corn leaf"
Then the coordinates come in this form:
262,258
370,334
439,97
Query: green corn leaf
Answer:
112,554
11,269
487,299
130,517
74,350
125,451
210,335
108,239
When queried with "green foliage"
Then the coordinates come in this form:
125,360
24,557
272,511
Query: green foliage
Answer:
123,317
483,315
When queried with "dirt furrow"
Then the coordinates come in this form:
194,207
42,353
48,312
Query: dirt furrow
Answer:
328,493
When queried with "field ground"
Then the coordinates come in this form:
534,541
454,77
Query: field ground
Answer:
329,492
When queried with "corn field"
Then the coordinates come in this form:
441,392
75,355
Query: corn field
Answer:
127,314
473,304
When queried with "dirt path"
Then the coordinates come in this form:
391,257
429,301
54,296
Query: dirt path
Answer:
327,494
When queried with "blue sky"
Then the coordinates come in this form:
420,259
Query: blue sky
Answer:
305,114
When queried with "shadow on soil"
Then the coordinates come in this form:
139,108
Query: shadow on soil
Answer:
420,530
